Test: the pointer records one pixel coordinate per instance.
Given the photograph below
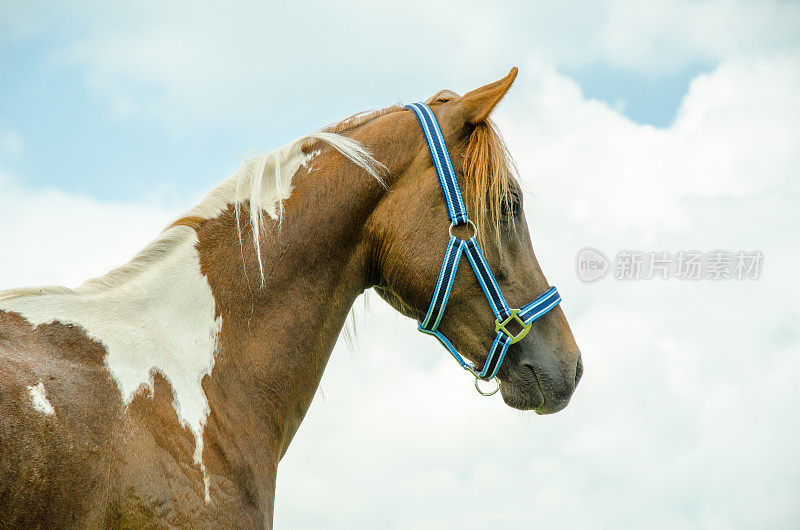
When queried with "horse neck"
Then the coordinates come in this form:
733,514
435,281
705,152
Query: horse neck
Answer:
277,333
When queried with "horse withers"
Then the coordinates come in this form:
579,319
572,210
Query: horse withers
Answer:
166,392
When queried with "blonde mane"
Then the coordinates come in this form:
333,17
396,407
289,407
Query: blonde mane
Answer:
263,180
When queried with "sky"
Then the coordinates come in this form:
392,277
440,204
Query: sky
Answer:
637,127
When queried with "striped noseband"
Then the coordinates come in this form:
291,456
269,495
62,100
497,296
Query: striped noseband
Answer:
523,317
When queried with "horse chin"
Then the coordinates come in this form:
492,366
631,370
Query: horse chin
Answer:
525,393
522,396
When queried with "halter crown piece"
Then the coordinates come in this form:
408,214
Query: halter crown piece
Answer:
525,316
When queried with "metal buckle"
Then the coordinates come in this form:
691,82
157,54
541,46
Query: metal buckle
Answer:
481,392
469,223
498,327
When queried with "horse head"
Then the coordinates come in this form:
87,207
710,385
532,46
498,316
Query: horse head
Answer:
409,232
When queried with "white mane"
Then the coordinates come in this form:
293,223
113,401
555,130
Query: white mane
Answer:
264,181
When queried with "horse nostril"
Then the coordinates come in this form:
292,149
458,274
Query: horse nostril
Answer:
578,370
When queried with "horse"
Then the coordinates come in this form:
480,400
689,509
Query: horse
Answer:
166,392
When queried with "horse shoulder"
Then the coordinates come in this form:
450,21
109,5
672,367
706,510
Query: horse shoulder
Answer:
57,414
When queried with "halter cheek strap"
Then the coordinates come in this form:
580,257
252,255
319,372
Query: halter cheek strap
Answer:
457,212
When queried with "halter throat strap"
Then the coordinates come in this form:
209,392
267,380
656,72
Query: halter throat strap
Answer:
456,247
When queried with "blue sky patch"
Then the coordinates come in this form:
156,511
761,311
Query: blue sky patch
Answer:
645,98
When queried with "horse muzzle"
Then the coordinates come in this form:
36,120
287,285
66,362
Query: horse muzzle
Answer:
542,385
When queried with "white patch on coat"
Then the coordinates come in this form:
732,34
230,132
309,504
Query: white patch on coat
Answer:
39,399
161,319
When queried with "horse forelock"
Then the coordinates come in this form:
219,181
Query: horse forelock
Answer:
488,169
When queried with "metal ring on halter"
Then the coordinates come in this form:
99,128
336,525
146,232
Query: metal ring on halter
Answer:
481,392
469,223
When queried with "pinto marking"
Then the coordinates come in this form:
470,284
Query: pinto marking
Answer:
161,319
39,399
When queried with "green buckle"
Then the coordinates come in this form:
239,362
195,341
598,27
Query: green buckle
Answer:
498,327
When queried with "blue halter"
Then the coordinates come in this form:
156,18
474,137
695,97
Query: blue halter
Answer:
524,316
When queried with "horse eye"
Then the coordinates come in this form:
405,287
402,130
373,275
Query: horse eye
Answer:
510,206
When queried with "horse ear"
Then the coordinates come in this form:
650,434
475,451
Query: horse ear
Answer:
478,104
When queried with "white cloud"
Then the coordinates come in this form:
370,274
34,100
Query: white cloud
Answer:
667,35
223,64
54,238
734,136
202,62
